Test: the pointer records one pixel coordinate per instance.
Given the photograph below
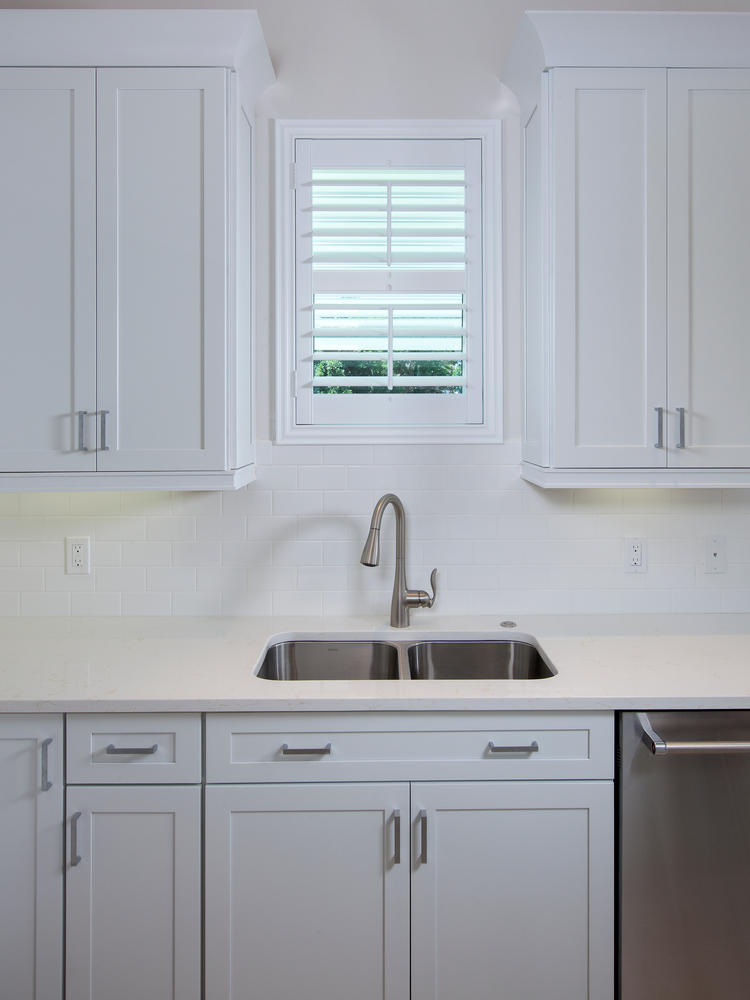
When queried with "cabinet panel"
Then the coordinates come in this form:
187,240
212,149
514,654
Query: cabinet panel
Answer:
512,891
31,857
133,923
304,897
609,302
47,268
709,264
162,268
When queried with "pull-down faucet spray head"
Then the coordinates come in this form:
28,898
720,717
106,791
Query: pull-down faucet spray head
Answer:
371,552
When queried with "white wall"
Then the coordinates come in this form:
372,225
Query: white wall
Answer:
290,542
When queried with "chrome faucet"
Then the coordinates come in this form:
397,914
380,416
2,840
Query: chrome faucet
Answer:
403,599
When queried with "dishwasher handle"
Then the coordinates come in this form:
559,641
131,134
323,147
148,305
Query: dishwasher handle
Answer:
658,746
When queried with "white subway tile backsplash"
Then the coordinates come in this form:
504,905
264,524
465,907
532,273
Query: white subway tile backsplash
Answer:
47,604
296,602
290,542
203,603
171,578
10,605
92,605
120,579
297,502
147,604
21,578
149,553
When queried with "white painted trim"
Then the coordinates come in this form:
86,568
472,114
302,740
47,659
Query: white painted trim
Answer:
47,482
660,479
642,38
229,38
489,131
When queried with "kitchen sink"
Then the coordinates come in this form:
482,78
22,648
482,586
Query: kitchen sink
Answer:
321,660
479,659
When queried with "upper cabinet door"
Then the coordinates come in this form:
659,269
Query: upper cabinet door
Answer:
162,269
608,185
709,267
47,269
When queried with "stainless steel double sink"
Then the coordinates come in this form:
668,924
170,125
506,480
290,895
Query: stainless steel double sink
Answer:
435,659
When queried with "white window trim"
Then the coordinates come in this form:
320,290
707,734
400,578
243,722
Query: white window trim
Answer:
288,131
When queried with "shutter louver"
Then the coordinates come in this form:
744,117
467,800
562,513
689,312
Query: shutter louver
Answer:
388,281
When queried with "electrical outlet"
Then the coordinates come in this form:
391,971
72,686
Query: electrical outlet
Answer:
78,555
635,555
716,554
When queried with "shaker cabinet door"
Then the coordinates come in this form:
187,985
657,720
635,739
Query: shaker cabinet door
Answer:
47,270
31,857
133,893
512,891
709,268
307,892
608,183
162,269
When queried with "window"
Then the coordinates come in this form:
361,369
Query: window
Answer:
387,281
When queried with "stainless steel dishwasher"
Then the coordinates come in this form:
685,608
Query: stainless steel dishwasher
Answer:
684,855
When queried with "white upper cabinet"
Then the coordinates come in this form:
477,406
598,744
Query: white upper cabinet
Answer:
162,264
635,256
609,296
126,245
47,268
709,266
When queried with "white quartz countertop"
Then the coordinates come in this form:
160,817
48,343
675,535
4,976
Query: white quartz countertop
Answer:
208,664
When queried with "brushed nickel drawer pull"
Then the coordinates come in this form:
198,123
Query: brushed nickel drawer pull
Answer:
288,751
112,749
531,748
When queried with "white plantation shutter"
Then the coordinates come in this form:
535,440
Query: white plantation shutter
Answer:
388,282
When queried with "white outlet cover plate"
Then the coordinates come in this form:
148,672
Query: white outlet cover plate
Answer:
78,556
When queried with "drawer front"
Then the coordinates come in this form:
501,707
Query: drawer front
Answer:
418,746
133,749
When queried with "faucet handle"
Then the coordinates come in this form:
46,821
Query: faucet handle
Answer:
433,587
420,598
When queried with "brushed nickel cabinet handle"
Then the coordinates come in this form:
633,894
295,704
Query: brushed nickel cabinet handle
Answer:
103,446
423,836
681,439
288,751
659,443
397,836
46,783
75,857
82,414
112,749
531,748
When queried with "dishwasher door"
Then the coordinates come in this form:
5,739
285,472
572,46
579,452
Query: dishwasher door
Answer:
684,855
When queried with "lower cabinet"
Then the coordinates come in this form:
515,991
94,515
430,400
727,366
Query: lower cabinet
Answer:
307,892
345,856
426,889
31,857
512,890
133,893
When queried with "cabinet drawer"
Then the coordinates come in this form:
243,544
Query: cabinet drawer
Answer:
408,746
133,749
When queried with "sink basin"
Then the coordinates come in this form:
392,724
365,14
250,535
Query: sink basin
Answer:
485,659
318,660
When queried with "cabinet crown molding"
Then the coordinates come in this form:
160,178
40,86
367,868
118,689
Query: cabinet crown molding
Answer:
547,39
230,38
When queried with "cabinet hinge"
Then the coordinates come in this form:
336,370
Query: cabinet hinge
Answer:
293,176
293,384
